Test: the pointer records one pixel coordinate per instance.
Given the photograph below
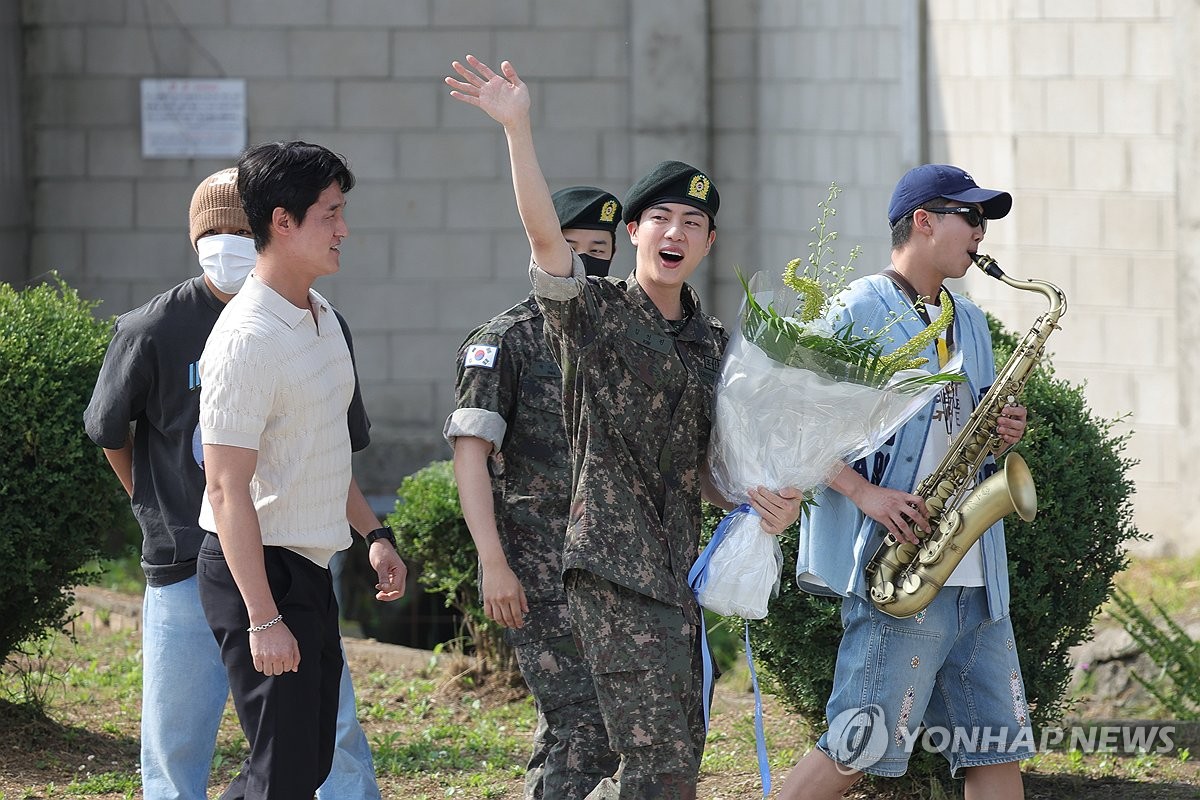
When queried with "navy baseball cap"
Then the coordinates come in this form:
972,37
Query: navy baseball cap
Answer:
928,181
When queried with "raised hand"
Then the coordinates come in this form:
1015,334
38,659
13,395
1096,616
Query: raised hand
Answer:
504,98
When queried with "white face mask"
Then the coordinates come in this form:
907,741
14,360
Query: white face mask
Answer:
227,260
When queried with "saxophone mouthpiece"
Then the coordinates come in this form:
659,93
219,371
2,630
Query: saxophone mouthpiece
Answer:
987,264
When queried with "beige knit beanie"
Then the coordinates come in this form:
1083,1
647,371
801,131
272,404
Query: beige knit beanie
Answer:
215,204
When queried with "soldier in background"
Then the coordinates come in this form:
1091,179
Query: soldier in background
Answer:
514,482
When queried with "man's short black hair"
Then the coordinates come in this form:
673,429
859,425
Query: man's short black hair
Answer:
902,230
287,175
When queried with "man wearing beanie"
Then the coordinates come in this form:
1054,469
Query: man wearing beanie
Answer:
150,377
639,361
961,674
514,483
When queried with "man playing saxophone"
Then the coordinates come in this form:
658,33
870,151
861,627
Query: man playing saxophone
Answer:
952,666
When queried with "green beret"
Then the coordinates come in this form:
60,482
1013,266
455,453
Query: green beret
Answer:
672,182
587,207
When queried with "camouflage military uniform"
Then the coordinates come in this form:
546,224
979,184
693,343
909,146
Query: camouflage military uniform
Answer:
509,393
637,395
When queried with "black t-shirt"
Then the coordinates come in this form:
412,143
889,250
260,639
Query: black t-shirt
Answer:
151,377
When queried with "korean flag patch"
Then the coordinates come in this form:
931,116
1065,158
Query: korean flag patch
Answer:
480,355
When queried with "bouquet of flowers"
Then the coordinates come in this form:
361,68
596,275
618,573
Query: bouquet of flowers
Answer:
800,395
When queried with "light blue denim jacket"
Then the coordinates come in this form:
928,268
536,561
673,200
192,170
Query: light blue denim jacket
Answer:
836,538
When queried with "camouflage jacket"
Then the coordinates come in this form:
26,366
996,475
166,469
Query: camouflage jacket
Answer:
508,391
637,399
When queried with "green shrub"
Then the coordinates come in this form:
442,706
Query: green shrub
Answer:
58,496
1061,565
430,530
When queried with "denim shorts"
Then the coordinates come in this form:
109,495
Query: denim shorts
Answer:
946,679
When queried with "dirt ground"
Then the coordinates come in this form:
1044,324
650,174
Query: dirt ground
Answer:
98,734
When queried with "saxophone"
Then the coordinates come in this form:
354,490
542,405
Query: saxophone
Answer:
904,578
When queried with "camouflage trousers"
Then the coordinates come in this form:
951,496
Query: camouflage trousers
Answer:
645,661
570,747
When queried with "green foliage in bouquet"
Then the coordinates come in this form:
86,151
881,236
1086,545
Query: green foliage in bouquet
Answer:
1061,565
59,497
791,329
432,534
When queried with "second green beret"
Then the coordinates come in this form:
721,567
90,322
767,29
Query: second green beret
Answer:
587,207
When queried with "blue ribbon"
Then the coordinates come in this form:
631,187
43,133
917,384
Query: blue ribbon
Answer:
696,579
760,736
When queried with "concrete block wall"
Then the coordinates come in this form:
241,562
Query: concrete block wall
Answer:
435,245
14,190
1072,107
823,92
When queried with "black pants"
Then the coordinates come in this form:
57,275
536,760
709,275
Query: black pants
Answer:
289,720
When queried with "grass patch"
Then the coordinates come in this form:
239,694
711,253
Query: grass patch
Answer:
121,574
1173,582
436,734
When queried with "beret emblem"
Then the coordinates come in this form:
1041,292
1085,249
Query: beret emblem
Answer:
609,212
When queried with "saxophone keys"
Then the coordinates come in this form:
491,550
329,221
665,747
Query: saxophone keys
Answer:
949,524
932,552
884,593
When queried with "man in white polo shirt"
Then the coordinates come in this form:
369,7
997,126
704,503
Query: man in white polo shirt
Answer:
277,378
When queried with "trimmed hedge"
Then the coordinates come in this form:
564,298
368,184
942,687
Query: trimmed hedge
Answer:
430,530
58,497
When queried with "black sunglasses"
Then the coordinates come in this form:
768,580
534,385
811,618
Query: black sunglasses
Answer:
973,216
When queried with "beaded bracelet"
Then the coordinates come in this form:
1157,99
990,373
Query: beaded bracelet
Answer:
265,625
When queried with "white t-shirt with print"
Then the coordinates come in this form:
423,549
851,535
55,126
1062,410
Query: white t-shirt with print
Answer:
951,411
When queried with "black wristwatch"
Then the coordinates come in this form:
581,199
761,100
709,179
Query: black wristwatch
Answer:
381,533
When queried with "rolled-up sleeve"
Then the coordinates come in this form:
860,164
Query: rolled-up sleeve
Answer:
553,287
477,422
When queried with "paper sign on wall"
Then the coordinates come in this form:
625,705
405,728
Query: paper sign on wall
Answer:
186,118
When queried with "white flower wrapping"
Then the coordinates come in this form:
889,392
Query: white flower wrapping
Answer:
743,572
778,426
